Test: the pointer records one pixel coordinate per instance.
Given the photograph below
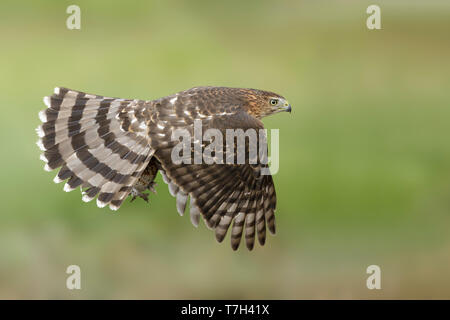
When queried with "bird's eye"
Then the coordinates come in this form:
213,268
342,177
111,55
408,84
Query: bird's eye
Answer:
273,102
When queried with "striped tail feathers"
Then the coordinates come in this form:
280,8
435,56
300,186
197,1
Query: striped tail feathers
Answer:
85,136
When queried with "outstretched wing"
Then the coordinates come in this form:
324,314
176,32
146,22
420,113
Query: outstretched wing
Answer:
101,144
224,194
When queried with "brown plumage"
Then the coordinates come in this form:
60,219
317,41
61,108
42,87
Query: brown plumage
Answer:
113,148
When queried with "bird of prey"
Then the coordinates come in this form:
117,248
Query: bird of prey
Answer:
113,148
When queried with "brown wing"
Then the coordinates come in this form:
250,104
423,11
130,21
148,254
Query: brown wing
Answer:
221,193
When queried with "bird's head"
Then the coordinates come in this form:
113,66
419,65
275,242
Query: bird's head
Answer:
265,103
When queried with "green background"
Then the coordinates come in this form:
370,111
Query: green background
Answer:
364,157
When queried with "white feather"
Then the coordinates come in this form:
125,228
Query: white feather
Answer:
40,132
47,101
86,198
67,188
101,204
42,116
43,157
172,101
40,145
56,179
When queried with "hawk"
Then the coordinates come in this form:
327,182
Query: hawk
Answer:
113,148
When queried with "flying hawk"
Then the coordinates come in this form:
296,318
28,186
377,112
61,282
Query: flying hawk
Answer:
113,148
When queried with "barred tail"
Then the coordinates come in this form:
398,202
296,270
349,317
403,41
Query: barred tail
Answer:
90,138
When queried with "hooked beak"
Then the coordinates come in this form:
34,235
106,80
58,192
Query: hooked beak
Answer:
287,107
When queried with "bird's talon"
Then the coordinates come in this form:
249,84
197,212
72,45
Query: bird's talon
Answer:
152,186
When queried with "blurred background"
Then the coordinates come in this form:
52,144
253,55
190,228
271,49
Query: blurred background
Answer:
364,157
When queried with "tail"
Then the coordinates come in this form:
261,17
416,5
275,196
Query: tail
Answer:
100,143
